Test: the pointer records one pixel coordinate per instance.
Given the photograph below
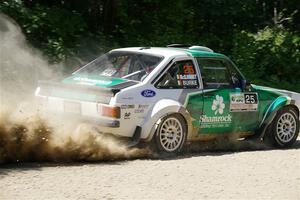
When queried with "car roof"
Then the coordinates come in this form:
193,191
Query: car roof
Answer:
171,52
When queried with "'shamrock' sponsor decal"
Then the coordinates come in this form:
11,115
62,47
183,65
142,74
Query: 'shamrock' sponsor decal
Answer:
218,105
148,93
214,119
218,120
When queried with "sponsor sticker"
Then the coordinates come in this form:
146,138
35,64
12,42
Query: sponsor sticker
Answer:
143,106
139,111
240,102
188,78
126,106
127,115
215,121
127,98
219,119
148,93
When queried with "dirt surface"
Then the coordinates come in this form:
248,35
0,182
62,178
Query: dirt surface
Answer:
256,174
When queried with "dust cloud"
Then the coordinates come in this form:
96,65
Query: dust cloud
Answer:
27,136
31,138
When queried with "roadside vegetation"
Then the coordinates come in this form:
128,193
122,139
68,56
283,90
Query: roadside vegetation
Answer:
262,37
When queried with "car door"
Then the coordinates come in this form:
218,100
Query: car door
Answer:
226,108
181,82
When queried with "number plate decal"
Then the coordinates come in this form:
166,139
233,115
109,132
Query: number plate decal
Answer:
72,107
250,98
246,102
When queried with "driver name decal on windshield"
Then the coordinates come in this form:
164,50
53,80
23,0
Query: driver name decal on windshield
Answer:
187,82
188,78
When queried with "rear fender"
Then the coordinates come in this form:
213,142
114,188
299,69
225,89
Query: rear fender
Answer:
161,109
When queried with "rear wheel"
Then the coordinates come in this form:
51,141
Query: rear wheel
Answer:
284,129
171,134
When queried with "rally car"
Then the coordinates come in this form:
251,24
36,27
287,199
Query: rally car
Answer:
169,96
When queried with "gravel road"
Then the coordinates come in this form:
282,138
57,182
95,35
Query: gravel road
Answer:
255,174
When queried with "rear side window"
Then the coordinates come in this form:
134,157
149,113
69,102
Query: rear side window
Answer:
214,73
180,75
127,65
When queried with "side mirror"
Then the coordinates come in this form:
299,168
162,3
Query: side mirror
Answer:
244,85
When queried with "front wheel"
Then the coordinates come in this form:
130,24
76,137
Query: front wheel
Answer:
171,134
284,130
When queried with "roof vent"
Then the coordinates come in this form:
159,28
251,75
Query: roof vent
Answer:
201,48
179,45
191,47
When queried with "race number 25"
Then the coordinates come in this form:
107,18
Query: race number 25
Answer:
188,69
251,98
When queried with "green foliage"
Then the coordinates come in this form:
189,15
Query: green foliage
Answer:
261,36
270,57
54,30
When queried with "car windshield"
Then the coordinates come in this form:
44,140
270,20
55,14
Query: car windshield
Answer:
127,65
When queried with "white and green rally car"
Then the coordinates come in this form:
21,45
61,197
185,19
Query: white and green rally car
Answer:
173,95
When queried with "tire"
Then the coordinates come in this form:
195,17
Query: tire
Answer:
171,135
284,129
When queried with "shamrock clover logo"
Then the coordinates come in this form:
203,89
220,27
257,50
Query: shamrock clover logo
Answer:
218,105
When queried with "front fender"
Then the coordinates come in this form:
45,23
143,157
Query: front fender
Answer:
271,112
161,109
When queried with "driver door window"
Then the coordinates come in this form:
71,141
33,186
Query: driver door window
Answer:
181,75
214,73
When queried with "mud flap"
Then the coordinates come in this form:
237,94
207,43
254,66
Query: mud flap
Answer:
136,137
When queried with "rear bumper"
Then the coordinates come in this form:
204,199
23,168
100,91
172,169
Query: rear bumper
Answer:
101,122
95,121
83,112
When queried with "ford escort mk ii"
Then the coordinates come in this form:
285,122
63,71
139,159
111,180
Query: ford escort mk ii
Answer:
172,95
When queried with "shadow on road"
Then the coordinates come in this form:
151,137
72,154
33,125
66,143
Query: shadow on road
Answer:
195,150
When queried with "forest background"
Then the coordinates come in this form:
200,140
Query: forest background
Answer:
261,36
